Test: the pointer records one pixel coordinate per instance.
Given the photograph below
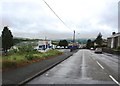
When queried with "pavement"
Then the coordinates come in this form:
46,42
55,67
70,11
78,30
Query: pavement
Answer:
24,74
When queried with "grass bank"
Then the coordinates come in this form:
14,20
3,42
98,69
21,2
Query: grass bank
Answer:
19,59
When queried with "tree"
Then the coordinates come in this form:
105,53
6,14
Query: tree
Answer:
99,40
89,43
63,43
7,39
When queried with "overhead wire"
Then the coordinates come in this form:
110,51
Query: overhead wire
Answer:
56,15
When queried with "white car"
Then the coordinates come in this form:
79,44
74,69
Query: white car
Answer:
98,50
91,48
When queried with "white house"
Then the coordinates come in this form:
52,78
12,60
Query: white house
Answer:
43,45
113,40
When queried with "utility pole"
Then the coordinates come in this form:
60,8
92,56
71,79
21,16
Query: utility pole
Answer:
45,42
73,42
74,37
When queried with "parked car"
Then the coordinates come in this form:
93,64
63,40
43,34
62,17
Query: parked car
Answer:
98,50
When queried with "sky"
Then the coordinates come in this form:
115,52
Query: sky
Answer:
34,19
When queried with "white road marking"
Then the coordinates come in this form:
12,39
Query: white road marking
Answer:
100,65
83,66
114,80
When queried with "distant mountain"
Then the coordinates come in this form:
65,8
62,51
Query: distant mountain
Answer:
82,40
19,40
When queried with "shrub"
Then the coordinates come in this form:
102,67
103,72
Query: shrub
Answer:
13,51
27,48
29,56
14,58
118,48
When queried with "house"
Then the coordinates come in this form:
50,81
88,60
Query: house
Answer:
43,45
113,40
73,45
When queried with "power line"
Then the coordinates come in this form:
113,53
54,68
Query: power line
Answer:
56,14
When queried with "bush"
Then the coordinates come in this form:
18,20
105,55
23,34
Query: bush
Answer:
29,56
13,51
27,49
118,48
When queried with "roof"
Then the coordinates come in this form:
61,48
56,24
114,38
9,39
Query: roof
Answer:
44,42
115,35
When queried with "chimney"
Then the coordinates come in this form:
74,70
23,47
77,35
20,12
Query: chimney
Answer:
113,33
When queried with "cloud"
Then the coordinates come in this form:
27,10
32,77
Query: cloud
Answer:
32,18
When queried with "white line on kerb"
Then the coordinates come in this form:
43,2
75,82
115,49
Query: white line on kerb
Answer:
114,80
100,65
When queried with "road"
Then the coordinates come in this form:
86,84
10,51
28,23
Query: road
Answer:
84,67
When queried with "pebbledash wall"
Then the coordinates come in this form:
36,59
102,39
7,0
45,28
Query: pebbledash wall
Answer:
114,40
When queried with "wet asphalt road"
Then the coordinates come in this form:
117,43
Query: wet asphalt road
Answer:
84,67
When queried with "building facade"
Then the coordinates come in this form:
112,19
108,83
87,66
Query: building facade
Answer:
43,45
114,40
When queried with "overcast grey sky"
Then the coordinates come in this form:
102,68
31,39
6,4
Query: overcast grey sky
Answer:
32,18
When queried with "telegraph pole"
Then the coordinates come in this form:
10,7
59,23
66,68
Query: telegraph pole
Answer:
45,42
74,37
73,42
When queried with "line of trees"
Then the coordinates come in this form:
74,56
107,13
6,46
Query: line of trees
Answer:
98,41
63,43
8,41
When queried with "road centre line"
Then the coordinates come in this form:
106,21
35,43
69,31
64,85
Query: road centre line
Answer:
114,80
100,65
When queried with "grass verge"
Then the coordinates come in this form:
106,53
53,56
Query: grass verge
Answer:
16,60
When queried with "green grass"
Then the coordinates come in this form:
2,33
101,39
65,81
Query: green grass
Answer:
16,57
13,60
0,58
0,62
